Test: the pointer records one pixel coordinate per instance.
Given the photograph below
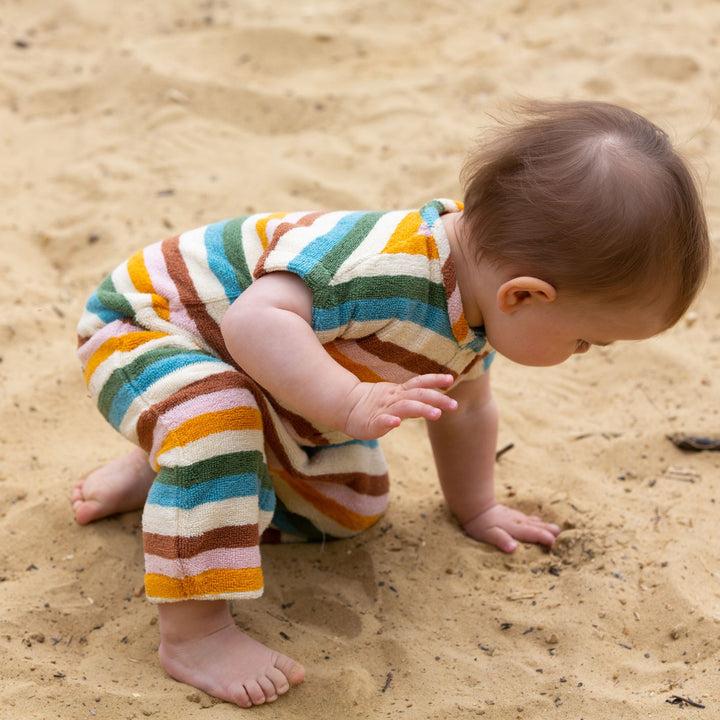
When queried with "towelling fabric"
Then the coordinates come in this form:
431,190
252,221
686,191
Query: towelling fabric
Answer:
234,465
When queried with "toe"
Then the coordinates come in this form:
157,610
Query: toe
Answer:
268,688
86,511
255,692
77,494
293,671
279,681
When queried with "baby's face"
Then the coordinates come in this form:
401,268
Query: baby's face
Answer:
542,334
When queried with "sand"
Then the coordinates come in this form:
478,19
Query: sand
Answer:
122,123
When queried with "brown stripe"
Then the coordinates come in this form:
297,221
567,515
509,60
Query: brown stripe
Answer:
148,419
305,221
178,272
475,361
174,547
301,427
397,355
449,277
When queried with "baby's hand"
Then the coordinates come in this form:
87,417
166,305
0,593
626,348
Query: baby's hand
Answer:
377,408
501,526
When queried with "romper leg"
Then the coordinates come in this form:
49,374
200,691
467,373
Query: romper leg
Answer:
199,420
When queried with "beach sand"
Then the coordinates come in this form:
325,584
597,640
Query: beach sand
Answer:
124,123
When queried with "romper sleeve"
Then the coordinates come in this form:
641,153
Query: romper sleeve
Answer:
324,250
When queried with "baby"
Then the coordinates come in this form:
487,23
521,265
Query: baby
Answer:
256,362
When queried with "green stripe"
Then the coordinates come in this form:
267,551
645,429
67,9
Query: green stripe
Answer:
130,372
247,461
335,257
382,287
232,241
108,295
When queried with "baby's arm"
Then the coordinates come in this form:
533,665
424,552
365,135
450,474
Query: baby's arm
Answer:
268,332
464,446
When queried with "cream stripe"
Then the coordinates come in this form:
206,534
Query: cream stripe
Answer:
251,243
219,443
200,519
249,595
89,324
330,460
373,245
209,289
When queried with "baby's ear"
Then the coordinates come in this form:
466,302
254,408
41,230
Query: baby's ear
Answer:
521,291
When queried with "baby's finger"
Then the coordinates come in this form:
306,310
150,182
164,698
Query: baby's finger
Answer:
532,533
384,423
429,396
430,380
539,522
409,408
500,538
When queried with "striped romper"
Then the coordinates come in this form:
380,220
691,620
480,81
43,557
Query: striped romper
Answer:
234,465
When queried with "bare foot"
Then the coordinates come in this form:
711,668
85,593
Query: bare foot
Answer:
120,486
200,645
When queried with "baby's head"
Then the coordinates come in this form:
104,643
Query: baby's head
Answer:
594,200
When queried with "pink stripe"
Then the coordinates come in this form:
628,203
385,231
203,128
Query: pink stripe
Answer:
165,287
367,505
220,559
211,402
388,371
114,329
225,399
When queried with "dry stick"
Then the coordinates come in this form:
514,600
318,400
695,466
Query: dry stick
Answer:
502,451
678,700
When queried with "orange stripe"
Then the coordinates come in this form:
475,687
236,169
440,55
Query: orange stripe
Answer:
210,582
241,418
328,507
261,225
405,239
124,343
361,372
461,328
141,280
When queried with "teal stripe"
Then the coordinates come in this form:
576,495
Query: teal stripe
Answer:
334,258
430,212
388,309
127,374
232,242
216,489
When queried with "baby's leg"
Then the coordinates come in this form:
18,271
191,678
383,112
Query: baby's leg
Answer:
201,422
200,645
121,485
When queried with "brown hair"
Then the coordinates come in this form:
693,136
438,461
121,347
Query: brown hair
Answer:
592,198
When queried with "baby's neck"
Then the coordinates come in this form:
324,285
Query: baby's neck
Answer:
467,271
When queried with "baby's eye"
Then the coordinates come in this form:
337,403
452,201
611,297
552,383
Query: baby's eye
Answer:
582,346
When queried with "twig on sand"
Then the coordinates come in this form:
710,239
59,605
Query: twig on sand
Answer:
678,700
